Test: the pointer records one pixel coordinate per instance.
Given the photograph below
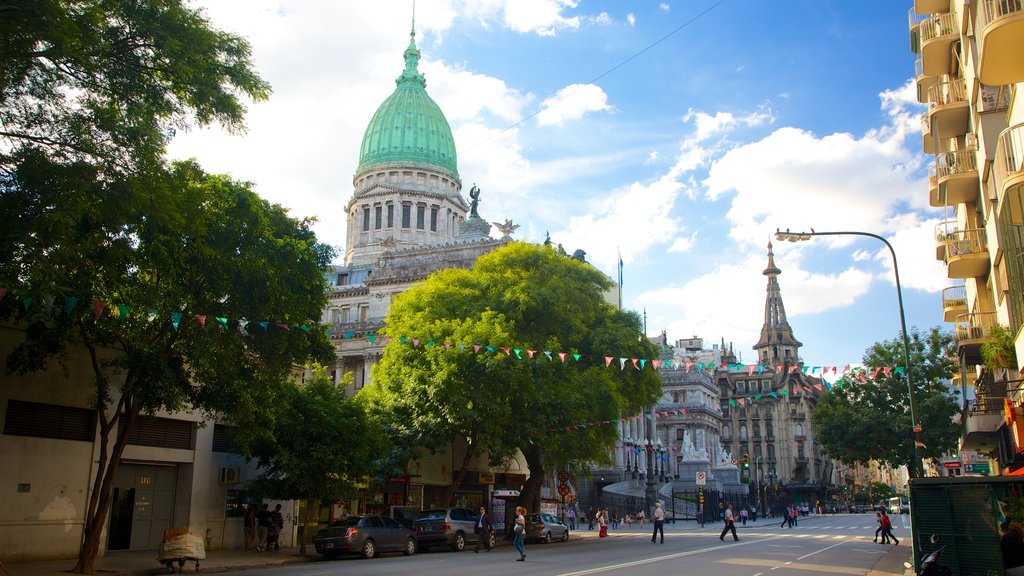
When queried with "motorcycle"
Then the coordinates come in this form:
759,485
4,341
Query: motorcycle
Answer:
930,565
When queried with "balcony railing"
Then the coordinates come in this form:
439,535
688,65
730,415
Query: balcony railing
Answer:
971,331
943,231
1009,166
999,26
954,302
966,253
957,175
932,37
927,141
948,107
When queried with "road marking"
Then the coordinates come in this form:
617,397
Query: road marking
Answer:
774,565
822,550
599,569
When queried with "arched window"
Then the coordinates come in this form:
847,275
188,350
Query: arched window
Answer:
726,431
743,431
799,429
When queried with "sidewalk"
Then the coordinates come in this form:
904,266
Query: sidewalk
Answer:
145,563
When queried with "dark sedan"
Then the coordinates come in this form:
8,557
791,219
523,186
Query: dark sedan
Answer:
367,536
545,528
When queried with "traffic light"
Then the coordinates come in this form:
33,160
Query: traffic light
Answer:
746,461
954,455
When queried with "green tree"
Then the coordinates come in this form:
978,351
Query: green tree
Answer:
322,445
521,298
108,81
184,243
867,418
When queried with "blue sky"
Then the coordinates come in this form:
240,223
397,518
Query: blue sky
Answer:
593,121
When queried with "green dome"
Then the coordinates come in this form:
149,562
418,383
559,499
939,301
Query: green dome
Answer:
409,127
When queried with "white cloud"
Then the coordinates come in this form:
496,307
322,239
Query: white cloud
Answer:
610,224
543,17
708,125
572,103
631,19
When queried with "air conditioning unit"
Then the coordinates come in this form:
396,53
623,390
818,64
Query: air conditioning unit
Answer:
229,475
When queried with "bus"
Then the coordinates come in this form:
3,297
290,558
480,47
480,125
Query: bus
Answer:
899,505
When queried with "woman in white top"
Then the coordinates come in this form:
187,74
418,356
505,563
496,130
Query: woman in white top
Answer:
520,531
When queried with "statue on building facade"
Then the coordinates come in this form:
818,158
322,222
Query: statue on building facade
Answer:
506,228
474,194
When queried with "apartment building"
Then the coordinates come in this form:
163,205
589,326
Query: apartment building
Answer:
969,72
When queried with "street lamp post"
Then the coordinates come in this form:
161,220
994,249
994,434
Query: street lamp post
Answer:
804,236
650,493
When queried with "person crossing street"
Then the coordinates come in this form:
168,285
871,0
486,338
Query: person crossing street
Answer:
730,525
659,523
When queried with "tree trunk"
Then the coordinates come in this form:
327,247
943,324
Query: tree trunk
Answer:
460,477
305,524
103,484
529,498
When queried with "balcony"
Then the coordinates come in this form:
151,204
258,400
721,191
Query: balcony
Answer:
954,302
927,141
924,81
1009,171
935,200
932,37
931,6
967,254
999,26
980,431
970,331
943,232
948,108
957,176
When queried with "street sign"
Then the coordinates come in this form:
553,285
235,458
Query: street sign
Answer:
563,476
917,428
951,465
701,478
563,490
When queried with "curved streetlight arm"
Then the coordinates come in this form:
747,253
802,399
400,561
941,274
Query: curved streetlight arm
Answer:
804,236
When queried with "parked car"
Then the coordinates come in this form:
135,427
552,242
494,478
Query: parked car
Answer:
545,528
449,527
367,536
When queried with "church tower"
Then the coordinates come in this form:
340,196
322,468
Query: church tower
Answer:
777,346
407,191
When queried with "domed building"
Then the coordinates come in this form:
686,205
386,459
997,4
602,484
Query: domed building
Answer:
407,218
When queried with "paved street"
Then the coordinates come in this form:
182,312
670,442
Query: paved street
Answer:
839,544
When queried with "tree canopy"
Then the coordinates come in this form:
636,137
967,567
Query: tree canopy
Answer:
108,81
868,418
186,289
522,297
322,445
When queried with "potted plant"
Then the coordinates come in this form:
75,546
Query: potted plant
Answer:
998,350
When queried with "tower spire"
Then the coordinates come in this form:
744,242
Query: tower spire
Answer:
777,346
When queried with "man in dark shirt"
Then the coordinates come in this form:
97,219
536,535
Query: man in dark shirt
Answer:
262,527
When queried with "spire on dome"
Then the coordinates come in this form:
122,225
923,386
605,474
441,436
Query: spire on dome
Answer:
411,74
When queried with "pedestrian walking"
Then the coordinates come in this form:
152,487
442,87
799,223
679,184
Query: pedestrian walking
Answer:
785,518
572,518
483,530
743,516
602,523
640,519
629,521
794,517
659,523
887,530
520,531
730,525
878,520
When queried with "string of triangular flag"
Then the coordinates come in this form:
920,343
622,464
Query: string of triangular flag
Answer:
123,311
